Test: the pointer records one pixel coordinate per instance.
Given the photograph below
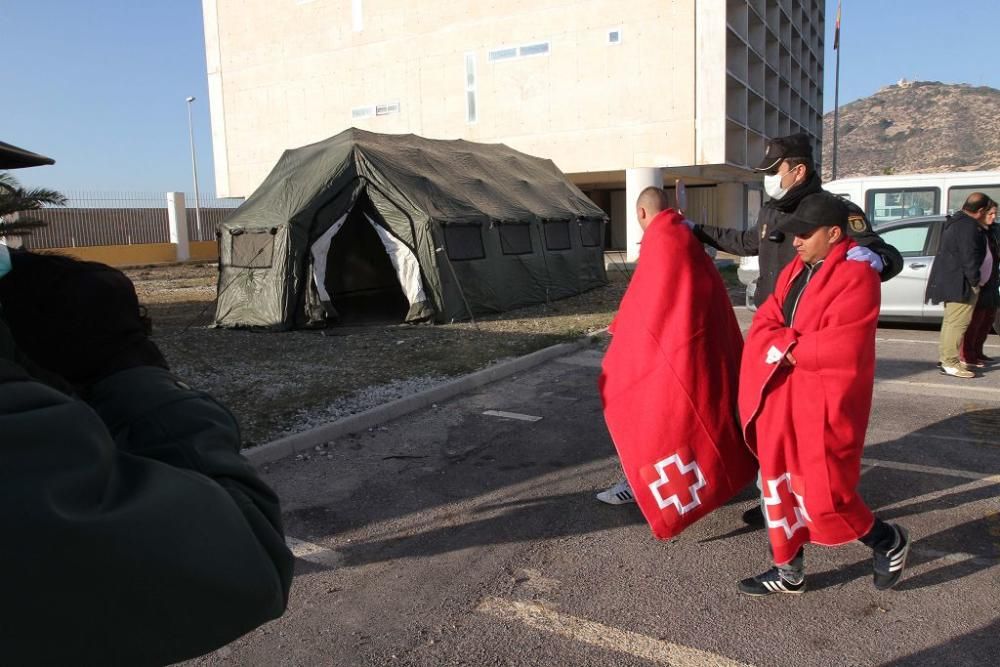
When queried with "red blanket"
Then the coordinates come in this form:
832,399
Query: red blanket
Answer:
807,422
669,382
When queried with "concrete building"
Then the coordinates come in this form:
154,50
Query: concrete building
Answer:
620,95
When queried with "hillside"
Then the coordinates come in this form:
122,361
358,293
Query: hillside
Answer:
919,126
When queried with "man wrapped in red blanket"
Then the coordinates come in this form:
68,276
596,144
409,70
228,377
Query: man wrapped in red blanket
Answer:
806,382
669,378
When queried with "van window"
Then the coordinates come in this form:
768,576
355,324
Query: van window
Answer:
958,194
898,203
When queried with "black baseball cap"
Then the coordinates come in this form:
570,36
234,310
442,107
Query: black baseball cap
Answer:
820,209
782,148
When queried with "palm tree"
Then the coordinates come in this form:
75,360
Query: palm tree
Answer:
15,199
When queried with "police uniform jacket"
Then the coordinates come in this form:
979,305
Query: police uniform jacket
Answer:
775,254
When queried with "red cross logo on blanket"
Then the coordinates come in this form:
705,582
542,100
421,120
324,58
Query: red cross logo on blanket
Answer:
783,507
677,483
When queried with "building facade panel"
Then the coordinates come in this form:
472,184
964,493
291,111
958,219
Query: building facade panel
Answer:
690,87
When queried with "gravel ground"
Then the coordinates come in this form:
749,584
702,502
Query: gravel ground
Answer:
282,383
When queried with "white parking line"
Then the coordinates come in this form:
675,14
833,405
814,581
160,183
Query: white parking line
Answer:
603,636
947,438
949,389
952,557
929,341
512,415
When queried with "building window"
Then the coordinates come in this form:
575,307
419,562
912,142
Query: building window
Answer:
515,238
362,112
503,54
557,235
470,87
523,51
539,49
371,110
615,36
464,241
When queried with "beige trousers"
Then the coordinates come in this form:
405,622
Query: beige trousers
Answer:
957,315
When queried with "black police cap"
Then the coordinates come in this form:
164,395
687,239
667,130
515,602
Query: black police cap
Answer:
782,148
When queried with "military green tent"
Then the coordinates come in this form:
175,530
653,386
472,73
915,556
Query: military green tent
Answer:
428,229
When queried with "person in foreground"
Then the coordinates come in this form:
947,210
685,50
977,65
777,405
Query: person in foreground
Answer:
137,533
805,394
668,380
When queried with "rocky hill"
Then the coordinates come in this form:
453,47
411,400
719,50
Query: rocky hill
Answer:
918,126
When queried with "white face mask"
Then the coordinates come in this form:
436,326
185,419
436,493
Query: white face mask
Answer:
772,186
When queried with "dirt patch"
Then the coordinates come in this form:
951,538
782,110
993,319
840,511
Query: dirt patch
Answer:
281,383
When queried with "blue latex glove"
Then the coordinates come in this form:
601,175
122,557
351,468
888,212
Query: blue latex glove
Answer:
4,260
863,254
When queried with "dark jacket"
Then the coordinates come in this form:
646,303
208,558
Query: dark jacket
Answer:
989,295
775,255
956,267
136,533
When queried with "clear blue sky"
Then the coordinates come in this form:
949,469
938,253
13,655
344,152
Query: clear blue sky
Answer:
99,85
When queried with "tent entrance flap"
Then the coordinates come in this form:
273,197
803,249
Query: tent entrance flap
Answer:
364,274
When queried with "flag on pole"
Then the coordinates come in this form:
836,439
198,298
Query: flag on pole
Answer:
836,31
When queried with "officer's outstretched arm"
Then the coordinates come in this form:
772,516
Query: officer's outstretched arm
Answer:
158,547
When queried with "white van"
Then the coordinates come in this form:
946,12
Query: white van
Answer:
896,197
887,200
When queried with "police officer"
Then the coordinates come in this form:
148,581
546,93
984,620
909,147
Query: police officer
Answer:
790,175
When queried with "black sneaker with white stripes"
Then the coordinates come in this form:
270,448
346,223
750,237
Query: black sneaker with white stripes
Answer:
888,567
771,582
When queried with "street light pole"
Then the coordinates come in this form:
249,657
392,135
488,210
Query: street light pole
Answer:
194,168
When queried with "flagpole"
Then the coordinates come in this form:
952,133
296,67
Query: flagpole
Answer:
836,96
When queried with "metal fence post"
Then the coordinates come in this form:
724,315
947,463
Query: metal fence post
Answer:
177,214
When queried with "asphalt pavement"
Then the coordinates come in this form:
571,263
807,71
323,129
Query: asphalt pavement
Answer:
468,534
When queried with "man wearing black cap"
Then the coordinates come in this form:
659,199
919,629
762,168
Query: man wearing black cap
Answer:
805,394
789,176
